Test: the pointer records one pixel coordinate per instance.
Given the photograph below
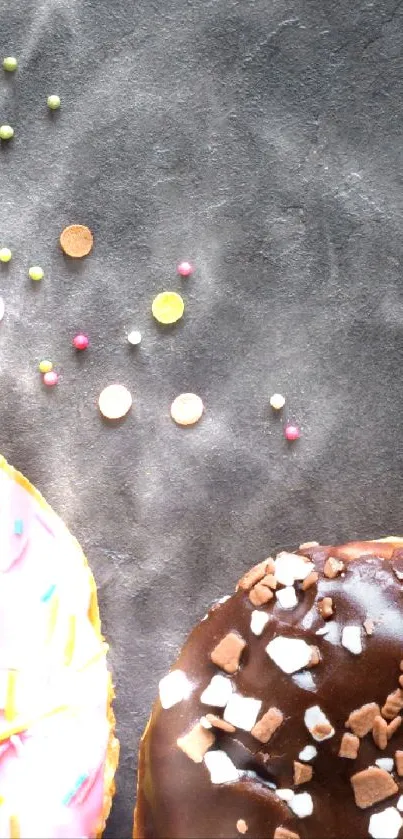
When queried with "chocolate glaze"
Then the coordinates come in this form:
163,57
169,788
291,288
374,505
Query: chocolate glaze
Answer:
176,799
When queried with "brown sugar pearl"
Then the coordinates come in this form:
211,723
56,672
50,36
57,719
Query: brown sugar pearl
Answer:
76,240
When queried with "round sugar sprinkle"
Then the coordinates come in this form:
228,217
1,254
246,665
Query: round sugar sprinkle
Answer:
80,342
53,102
134,337
50,379
6,132
36,273
45,366
76,240
185,269
5,255
115,401
292,432
168,307
187,409
277,401
10,63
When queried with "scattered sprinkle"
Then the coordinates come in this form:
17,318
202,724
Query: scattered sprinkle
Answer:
50,379
18,527
351,639
362,719
187,409
302,773
6,132
10,64
10,710
5,254
371,786
292,432
196,743
168,307
241,826
134,337
242,711
291,567
333,567
349,746
45,366
290,654
258,621
70,795
115,401
255,574
386,824
285,794
76,240
393,704
173,688
308,753
386,763
369,626
287,597
301,805
80,342
227,653
399,762
221,768
216,722
277,401
53,102
318,724
217,692
325,607
310,580
36,273
185,269
380,732
267,725
49,593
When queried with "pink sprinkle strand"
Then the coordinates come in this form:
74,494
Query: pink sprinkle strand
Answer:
50,379
80,342
292,432
185,269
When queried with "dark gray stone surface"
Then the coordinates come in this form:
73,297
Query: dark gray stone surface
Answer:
263,140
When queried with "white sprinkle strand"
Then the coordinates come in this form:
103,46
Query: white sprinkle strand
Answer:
291,567
308,753
221,768
242,711
314,716
258,621
385,825
285,794
302,805
217,692
290,654
173,688
287,597
351,639
385,763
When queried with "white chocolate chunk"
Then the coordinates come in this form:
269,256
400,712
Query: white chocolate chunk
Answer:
351,639
242,711
308,753
399,804
290,654
291,567
314,716
205,722
174,687
287,597
258,621
386,824
285,794
386,763
217,692
221,768
302,805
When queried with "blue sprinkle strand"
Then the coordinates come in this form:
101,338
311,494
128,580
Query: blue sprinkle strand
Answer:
70,795
49,593
18,527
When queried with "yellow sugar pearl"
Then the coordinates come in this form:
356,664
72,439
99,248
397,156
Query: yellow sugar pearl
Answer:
277,401
5,254
45,366
168,307
36,273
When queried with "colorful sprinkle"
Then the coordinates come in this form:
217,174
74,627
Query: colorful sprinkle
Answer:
50,379
277,401
48,594
53,102
71,639
185,269
18,527
80,342
115,401
36,273
53,615
15,827
6,132
292,432
70,795
168,307
187,409
76,240
10,709
134,337
10,64
5,254
45,366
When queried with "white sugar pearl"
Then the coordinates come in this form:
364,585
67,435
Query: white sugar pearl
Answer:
302,805
134,337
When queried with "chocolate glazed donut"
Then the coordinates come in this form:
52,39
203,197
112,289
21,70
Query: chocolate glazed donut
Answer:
281,717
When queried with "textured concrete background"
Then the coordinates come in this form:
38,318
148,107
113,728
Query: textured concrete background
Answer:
263,140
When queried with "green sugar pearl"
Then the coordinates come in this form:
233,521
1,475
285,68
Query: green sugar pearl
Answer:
36,273
6,132
10,63
53,102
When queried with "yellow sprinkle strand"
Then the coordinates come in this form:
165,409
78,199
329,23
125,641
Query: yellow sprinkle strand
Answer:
71,641
93,610
24,725
53,614
14,827
2,800
10,710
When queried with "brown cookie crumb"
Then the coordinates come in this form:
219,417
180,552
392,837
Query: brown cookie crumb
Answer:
315,657
310,580
369,626
196,742
255,574
76,240
380,732
372,785
241,826
260,594
325,607
264,729
227,653
362,719
217,722
399,762
393,726
284,833
321,730
306,545
333,567
302,773
349,746
270,581
393,704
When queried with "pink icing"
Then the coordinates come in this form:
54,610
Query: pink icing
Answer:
53,711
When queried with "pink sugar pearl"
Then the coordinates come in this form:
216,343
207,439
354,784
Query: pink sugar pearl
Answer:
50,379
80,342
292,432
185,269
